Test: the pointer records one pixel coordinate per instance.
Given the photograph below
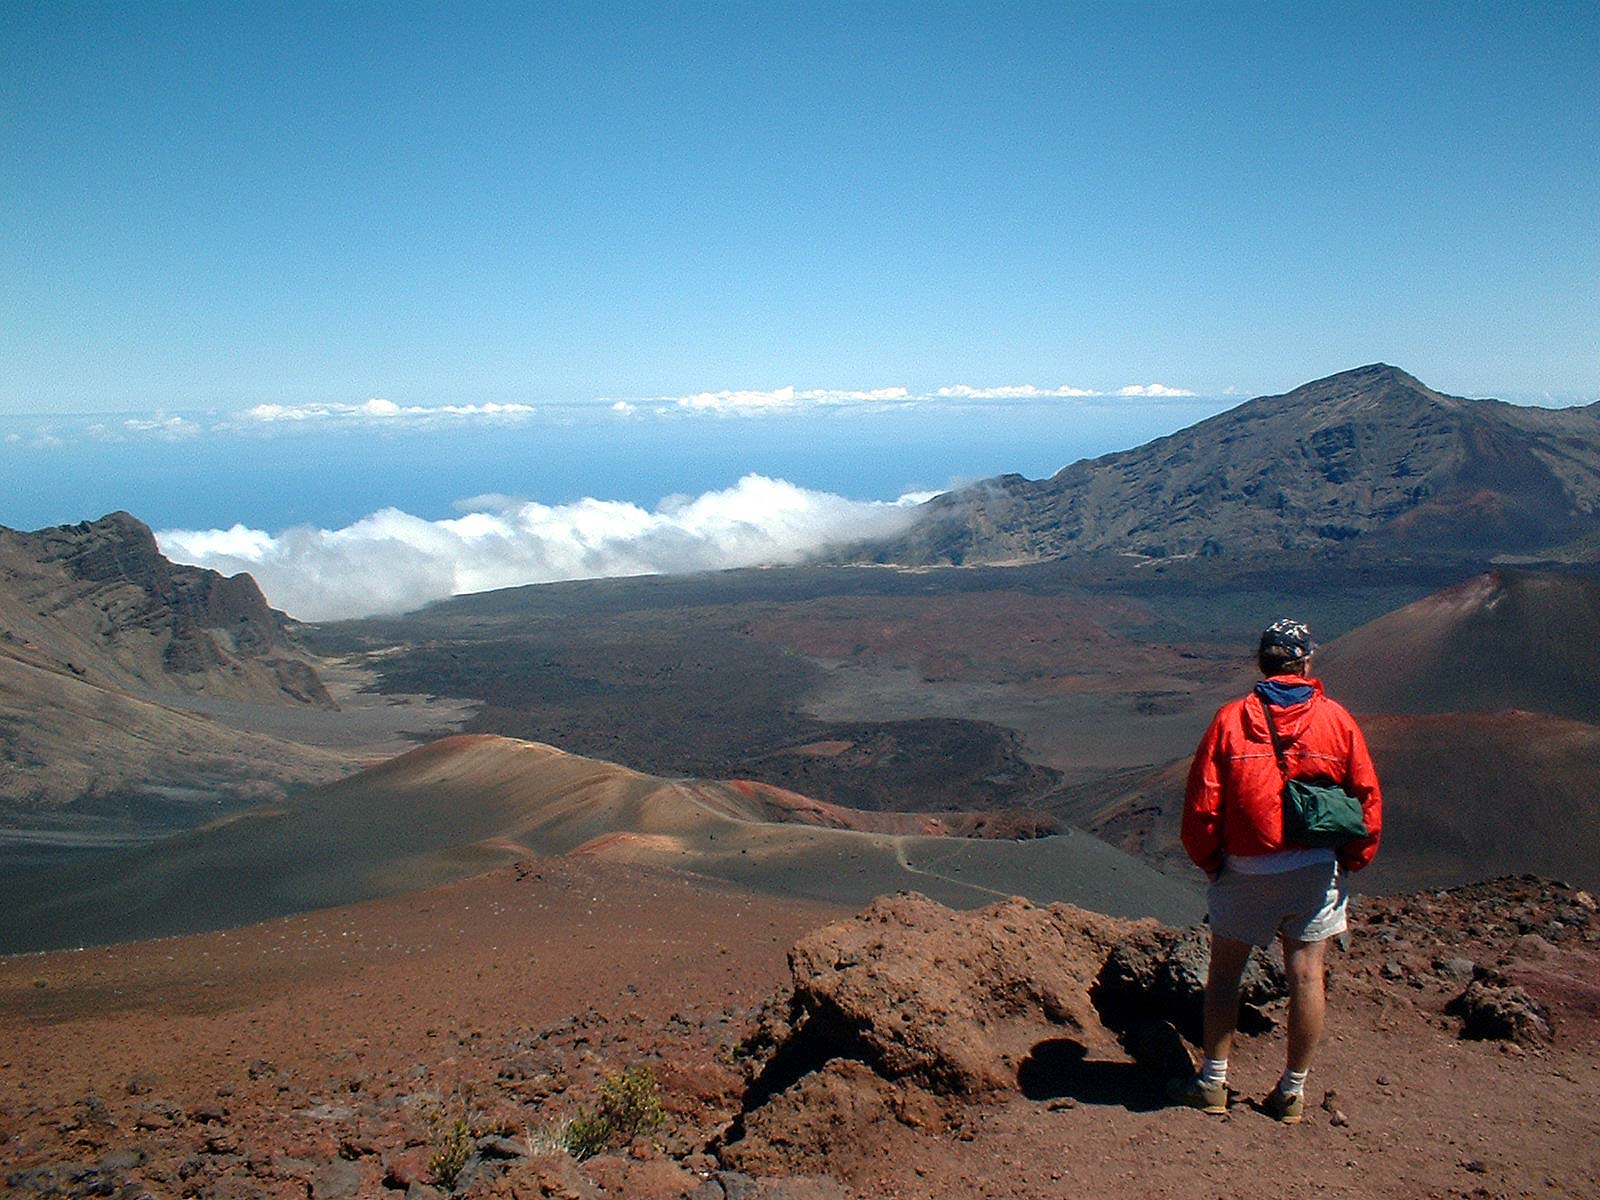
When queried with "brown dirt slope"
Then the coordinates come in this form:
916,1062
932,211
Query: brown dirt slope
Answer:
330,1053
67,743
909,1023
466,803
1503,640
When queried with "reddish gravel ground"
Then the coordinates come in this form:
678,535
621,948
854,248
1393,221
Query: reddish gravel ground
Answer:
325,1055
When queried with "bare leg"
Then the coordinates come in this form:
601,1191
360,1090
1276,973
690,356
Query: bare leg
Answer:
1307,1003
1228,958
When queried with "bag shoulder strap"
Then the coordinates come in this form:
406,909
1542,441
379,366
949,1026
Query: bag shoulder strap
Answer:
1277,742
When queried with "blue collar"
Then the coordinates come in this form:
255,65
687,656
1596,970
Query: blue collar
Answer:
1283,695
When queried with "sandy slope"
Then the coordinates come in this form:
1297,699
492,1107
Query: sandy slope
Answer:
69,739
1503,640
466,803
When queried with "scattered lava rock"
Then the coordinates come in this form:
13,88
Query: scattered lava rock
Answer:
1512,958
1494,1009
1158,976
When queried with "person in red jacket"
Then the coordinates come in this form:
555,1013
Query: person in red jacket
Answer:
1263,886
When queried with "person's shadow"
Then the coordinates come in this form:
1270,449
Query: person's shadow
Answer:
1060,1068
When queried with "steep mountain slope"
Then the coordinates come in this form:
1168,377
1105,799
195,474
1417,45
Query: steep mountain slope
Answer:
1475,795
467,803
1370,456
103,642
1467,796
1503,640
100,600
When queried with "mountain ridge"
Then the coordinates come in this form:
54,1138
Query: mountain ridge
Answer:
1370,457
101,599
107,647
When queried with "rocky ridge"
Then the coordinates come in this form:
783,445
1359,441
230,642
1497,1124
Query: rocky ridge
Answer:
1365,458
113,662
99,600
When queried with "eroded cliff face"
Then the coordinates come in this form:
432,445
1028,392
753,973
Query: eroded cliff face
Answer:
111,659
99,600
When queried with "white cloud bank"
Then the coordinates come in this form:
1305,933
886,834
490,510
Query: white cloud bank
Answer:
1019,391
167,429
790,399
374,411
783,398
392,562
379,414
1160,390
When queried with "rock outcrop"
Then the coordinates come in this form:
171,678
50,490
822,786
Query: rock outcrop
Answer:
911,1009
98,599
1156,977
1495,1009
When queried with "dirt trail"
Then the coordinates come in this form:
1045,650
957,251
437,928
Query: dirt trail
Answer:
905,862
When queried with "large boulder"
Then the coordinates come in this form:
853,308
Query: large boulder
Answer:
899,1017
909,1008
951,1001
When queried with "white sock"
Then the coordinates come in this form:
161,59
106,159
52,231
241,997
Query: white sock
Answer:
1213,1071
1293,1083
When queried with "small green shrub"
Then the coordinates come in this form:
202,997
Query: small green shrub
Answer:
632,1102
455,1147
630,1105
586,1135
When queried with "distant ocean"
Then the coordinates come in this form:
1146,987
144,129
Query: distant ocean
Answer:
552,493
55,472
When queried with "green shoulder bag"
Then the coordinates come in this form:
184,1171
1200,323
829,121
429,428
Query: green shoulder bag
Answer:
1316,812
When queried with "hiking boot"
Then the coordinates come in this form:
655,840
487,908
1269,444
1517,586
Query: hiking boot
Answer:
1281,1106
1210,1098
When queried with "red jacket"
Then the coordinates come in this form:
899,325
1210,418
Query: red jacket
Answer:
1234,801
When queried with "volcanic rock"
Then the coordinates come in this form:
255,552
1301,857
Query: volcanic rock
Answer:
1369,456
1158,976
553,1176
1494,1009
907,1009
950,1001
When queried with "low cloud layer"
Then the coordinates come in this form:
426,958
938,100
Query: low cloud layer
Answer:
392,562
1159,390
376,411
1017,391
790,399
785,398
379,415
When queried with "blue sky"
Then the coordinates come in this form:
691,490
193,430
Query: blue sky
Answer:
219,206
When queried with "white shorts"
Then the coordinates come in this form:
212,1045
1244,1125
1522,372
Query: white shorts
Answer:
1307,904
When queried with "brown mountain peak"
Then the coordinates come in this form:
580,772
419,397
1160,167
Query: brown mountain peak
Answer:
1370,388
1370,456
108,601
